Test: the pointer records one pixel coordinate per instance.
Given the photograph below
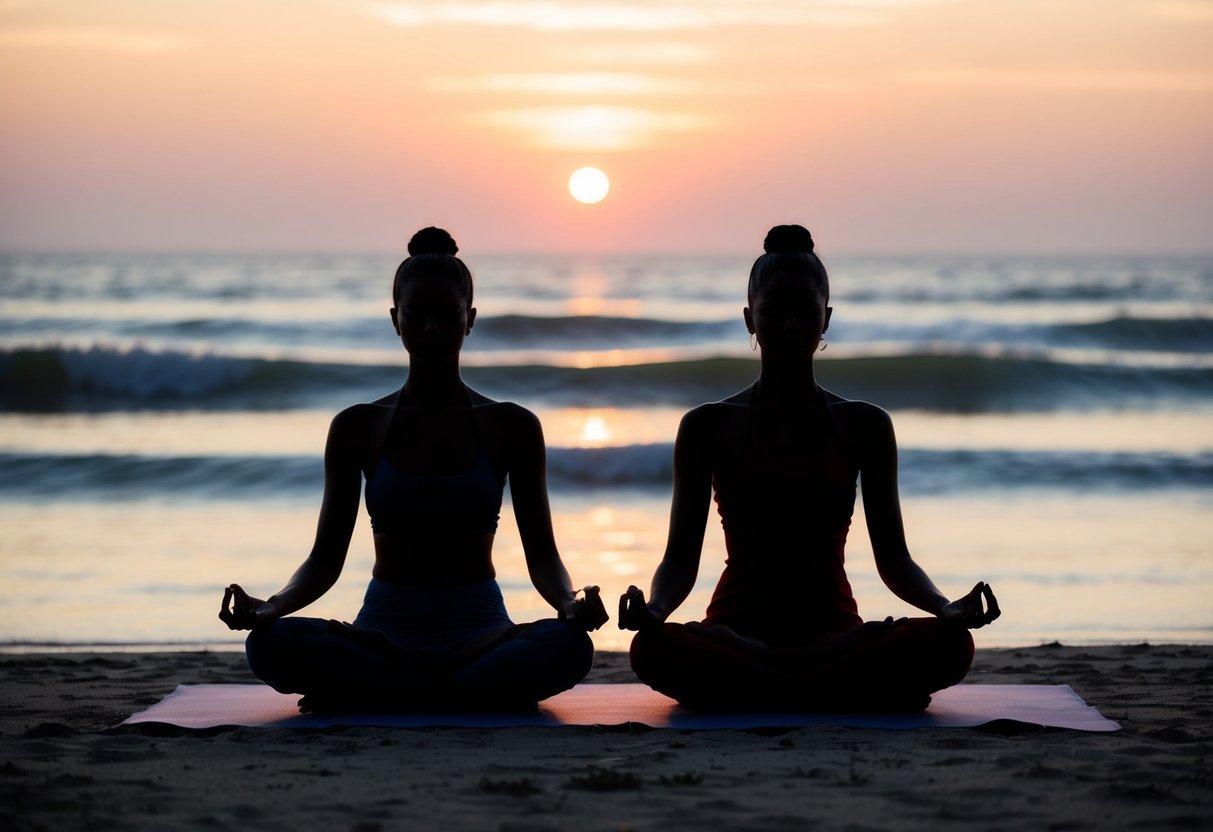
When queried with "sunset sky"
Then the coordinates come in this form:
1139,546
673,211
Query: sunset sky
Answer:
992,126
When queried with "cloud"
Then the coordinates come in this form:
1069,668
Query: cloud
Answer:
550,15
117,40
594,127
1065,81
669,53
569,83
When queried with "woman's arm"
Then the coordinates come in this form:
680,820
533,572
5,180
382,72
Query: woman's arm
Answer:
338,513
529,493
877,447
675,575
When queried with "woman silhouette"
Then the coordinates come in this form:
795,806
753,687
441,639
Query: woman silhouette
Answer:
783,456
433,629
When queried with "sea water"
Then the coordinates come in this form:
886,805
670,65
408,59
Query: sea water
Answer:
162,419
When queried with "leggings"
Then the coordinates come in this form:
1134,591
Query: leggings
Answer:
414,647
881,667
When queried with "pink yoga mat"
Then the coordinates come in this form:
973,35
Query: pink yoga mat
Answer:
962,706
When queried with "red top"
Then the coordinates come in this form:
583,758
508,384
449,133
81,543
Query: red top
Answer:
785,516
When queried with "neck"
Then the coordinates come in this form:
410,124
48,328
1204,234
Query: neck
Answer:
435,384
784,384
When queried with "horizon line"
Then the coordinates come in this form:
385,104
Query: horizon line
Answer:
267,251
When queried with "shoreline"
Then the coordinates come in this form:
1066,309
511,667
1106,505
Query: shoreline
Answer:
69,648
64,763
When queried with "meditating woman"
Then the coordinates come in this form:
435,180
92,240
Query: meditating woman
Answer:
782,629
433,629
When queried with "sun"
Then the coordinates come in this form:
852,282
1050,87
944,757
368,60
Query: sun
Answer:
595,431
589,185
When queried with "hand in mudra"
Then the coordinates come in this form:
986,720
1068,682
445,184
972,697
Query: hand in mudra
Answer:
241,611
970,611
585,613
634,612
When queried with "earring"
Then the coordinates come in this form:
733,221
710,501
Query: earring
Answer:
753,341
823,346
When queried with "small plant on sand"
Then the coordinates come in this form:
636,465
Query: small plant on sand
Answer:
691,778
522,787
857,777
605,780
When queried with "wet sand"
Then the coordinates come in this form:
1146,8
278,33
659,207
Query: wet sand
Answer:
65,765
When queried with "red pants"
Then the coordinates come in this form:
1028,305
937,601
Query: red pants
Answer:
876,667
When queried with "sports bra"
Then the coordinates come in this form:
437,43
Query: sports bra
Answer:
399,501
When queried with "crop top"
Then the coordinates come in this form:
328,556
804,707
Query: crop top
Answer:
397,500
426,504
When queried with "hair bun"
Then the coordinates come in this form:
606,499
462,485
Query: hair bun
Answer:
788,238
432,241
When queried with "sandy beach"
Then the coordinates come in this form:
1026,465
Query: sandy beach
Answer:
64,763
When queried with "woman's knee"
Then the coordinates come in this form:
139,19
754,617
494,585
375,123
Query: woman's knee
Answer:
273,635
261,645
271,648
944,649
652,650
956,650
567,646
259,651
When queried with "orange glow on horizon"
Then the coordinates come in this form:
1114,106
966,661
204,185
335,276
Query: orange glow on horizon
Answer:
922,125
595,431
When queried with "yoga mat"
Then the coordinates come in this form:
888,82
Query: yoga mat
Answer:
962,706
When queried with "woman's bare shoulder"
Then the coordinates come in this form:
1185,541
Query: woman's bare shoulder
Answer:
707,419
863,420
360,426
739,402
509,422
364,414
493,409
742,398
478,399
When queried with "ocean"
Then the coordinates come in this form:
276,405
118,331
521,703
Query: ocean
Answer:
162,418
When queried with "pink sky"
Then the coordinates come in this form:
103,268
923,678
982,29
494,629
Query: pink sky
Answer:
885,125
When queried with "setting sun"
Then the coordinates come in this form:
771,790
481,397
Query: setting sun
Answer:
595,430
589,185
